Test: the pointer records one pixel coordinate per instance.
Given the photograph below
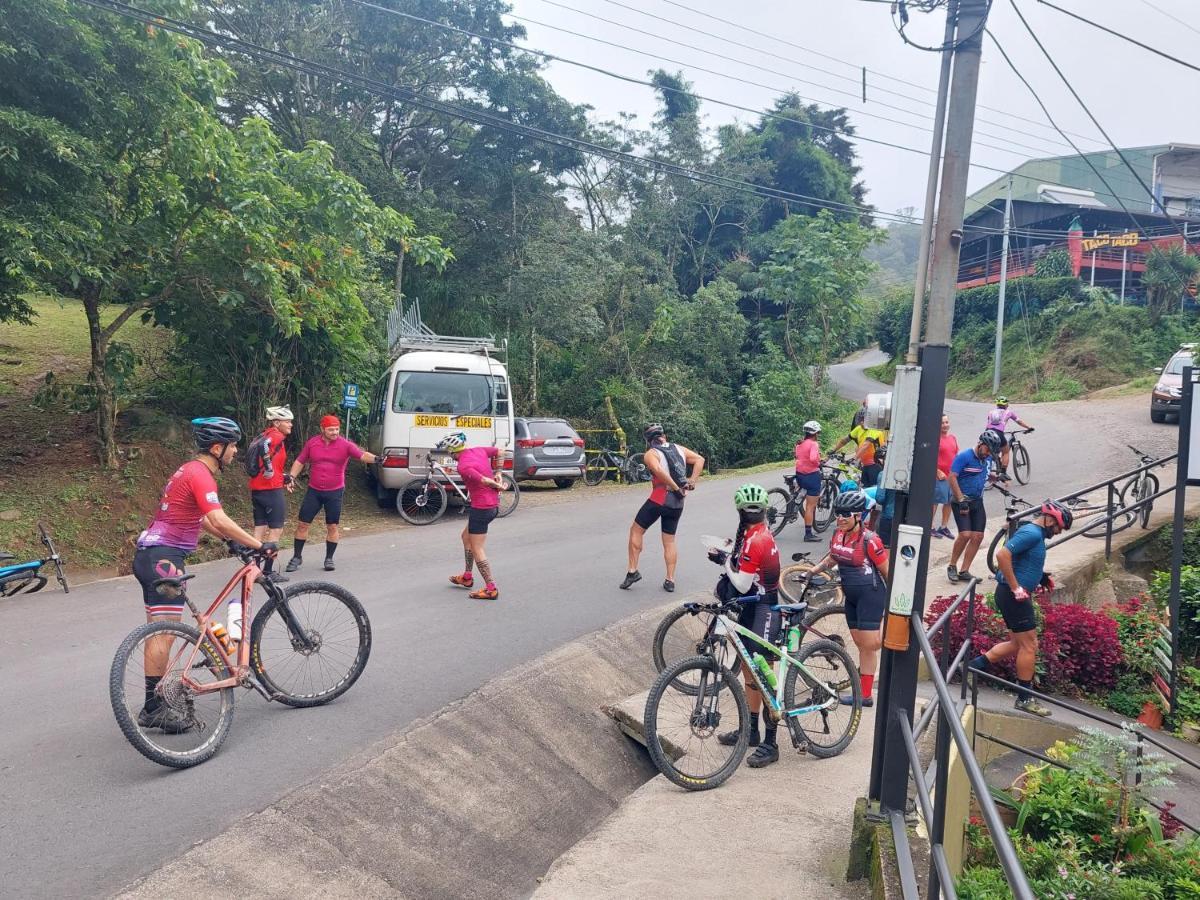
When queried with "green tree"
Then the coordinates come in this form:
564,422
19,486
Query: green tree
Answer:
1168,274
814,275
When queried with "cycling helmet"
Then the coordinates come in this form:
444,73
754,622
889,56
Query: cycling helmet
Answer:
1059,513
453,443
860,417
750,498
850,503
1002,401
653,431
279,414
992,439
847,486
211,430
812,426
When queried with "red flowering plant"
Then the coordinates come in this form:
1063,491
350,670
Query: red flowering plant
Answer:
987,631
1079,650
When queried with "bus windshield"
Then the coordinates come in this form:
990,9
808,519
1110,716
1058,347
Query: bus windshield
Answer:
453,393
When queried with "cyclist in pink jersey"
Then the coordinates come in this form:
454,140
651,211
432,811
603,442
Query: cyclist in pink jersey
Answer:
476,467
997,420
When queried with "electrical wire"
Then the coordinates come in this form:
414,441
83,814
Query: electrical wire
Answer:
477,117
1176,18
1124,37
856,66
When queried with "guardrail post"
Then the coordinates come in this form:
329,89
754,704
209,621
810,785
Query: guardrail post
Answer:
937,828
970,630
1109,526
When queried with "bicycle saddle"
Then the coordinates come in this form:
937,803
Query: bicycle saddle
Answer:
789,480
790,608
177,581
4,556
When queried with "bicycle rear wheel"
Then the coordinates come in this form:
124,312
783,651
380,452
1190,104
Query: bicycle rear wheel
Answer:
828,623
823,516
596,470
997,542
812,698
421,502
682,729
779,509
310,649
1136,491
175,726
793,579
636,469
509,497
1020,461
683,633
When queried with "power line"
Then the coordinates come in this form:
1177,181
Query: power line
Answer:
1176,18
844,62
477,117
1124,37
1050,59
752,65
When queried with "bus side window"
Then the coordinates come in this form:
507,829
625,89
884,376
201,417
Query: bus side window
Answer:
501,396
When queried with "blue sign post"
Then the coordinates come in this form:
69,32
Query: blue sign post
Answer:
349,402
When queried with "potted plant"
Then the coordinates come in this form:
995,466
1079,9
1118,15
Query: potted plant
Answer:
1152,715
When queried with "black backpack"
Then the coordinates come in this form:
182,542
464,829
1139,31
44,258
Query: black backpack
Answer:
257,460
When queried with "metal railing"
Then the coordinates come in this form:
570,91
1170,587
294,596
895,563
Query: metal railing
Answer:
933,806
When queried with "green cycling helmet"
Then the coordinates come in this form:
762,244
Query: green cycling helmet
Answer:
750,497
1002,400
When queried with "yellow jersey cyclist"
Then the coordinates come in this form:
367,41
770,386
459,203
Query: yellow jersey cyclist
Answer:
868,443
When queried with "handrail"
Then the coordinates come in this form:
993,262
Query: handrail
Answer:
941,620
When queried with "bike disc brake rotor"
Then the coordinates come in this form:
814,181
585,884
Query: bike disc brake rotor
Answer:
314,643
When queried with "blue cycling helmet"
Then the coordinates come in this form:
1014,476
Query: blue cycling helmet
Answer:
848,485
211,430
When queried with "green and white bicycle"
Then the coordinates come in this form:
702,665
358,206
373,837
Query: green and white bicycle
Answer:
804,690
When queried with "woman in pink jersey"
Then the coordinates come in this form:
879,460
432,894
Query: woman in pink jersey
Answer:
476,469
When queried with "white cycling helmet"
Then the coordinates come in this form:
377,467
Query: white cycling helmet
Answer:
812,426
279,414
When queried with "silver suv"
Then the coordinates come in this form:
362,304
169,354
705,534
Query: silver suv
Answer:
1165,398
548,448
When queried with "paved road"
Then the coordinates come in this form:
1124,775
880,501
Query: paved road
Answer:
85,815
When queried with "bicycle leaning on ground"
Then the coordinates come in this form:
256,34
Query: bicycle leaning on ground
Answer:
607,463
424,499
27,577
307,646
804,689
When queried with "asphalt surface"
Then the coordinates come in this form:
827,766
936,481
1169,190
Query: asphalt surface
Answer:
85,815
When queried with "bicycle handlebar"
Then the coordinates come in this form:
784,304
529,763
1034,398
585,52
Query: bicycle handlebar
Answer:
247,554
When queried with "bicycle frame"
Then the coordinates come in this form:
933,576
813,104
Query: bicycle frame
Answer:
437,467
727,628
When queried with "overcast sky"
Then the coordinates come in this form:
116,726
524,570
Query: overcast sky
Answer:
1138,98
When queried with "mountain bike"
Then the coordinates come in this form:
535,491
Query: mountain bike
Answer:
607,463
424,499
27,577
1140,487
686,629
307,646
804,690
786,505
833,473
1019,455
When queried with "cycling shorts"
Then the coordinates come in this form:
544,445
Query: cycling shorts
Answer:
941,491
1019,615
865,605
870,474
270,507
974,519
809,485
330,501
651,512
478,520
763,621
152,563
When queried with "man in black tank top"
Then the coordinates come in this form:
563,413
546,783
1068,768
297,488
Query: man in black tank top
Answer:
674,470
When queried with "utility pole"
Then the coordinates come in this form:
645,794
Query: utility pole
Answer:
889,764
1003,285
921,279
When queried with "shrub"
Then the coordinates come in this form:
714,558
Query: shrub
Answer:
989,630
1138,622
1131,693
1078,648
1189,606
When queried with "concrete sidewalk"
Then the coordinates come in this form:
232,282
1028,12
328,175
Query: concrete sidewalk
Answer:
779,832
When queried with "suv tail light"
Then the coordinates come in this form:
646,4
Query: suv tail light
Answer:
527,443
578,442
507,464
395,458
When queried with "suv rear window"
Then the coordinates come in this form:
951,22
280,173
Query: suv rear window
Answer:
551,429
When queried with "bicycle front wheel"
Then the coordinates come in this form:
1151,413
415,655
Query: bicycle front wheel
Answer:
1020,461
779,508
1137,490
312,647
421,502
682,729
683,633
813,694
509,497
597,470
173,724
637,469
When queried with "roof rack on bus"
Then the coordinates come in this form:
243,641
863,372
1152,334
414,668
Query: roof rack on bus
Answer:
406,331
